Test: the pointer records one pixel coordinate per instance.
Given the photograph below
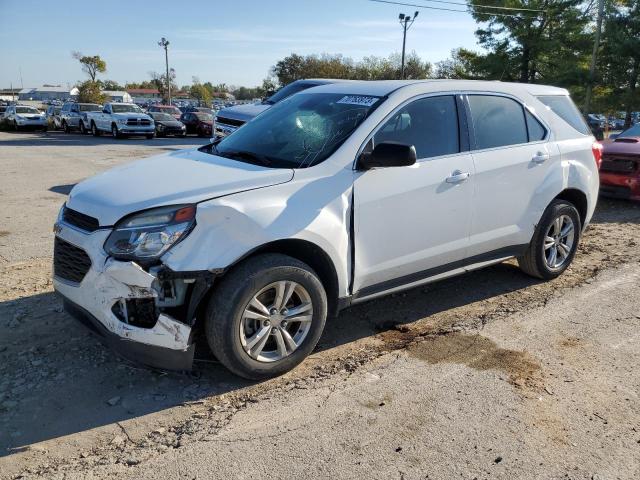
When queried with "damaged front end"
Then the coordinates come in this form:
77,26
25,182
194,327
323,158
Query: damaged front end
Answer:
145,314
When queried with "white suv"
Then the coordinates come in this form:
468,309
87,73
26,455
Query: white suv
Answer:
334,196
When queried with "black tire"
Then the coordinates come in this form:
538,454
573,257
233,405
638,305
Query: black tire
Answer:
94,130
114,131
15,126
232,295
66,127
83,130
534,261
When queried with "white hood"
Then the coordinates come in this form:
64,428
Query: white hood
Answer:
185,176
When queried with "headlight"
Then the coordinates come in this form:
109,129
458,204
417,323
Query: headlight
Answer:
148,235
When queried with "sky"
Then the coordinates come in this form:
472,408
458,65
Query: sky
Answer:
233,42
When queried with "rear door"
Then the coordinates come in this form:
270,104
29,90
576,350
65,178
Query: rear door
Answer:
413,222
512,155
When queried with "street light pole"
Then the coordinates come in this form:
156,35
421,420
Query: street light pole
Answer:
164,43
405,22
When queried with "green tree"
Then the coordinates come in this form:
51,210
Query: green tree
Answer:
621,58
159,82
110,85
200,92
91,65
549,44
90,92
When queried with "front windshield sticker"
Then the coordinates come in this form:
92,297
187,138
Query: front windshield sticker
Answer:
358,100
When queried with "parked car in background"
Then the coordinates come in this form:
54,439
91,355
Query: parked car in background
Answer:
53,116
229,119
168,125
341,194
168,109
25,117
620,167
198,122
596,125
121,119
73,115
192,108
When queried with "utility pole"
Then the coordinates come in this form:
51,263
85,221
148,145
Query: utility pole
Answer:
405,22
164,43
594,55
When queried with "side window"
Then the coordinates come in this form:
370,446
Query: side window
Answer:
497,121
534,128
430,124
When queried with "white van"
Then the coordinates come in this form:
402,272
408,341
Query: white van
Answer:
336,195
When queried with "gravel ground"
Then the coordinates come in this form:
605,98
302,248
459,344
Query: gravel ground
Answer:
488,375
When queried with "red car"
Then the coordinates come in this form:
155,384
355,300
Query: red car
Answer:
620,167
170,109
198,122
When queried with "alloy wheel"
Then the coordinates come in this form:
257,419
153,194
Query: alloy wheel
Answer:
559,241
276,321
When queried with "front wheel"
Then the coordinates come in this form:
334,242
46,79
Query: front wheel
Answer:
83,130
114,131
66,127
266,316
554,242
94,130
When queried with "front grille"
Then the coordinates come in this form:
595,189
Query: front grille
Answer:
138,121
80,220
618,165
69,262
229,121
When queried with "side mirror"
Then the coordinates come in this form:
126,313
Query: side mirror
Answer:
388,154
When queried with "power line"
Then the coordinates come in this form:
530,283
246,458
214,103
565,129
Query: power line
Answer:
487,6
446,9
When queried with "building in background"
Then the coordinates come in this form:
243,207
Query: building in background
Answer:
47,93
118,96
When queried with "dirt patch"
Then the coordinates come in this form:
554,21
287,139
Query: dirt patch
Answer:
571,342
480,353
4,233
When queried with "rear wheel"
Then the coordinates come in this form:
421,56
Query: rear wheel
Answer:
266,316
554,242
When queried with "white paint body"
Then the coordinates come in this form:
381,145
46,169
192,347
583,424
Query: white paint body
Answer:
406,219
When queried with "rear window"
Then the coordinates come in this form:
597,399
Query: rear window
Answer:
562,106
497,121
89,107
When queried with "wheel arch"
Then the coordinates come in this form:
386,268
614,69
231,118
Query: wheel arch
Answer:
578,199
309,253
303,250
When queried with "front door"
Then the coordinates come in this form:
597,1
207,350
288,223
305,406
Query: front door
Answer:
413,222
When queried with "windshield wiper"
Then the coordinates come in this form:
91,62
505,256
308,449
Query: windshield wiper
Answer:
245,155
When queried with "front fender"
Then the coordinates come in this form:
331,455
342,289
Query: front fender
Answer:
230,227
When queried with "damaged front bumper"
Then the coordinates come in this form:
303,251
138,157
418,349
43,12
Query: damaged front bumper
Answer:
124,304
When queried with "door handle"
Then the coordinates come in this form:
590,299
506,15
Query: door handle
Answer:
457,176
540,157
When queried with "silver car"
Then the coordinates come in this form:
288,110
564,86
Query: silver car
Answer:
71,116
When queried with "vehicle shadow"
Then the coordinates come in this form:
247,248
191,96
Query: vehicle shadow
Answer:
57,379
75,139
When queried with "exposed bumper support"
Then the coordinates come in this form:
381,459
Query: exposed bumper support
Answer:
150,355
